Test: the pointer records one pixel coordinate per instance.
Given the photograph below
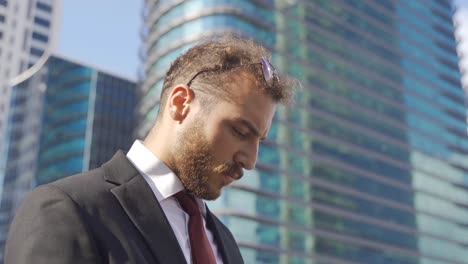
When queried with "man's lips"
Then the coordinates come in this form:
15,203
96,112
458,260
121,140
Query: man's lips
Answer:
232,173
228,179
235,176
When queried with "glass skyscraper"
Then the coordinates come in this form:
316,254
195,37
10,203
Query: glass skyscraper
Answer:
371,163
21,140
88,115
64,119
28,35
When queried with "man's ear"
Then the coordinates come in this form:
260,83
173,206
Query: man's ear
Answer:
179,102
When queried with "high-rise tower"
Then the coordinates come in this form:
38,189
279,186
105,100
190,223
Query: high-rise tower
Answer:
371,163
64,119
88,114
28,35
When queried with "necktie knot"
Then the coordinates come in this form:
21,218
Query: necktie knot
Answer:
188,203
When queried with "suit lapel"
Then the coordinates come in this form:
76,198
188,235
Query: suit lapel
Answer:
142,207
226,243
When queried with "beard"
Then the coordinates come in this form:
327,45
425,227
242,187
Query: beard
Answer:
195,165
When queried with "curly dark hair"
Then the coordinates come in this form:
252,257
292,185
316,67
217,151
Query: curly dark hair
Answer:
227,55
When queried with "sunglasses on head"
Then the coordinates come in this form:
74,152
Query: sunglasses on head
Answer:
269,72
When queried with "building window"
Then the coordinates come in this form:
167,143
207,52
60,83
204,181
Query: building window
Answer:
30,7
40,37
43,6
25,39
42,22
36,51
2,18
21,66
3,2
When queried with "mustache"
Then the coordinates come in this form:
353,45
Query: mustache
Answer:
231,169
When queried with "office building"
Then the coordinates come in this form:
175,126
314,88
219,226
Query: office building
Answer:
28,34
88,115
22,141
370,165
64,119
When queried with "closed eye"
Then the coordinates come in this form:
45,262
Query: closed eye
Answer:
238,133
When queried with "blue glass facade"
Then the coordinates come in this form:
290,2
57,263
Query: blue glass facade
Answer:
18,162
64,119
88,115
113,119
370,165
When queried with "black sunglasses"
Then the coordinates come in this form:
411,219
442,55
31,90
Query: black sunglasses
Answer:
269,72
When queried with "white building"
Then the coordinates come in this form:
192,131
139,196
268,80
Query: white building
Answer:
28,32
28,35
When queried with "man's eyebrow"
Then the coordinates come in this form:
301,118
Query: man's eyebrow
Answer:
252,128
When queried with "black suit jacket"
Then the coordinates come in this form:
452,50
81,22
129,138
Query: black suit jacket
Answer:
107,215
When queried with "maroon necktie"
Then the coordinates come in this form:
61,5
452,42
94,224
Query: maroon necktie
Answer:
200,246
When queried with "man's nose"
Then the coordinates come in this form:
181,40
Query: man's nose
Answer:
247,157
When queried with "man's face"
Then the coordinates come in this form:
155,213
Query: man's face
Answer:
216,144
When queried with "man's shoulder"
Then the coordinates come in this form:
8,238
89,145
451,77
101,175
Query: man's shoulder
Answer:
91,188
85,188
97,181
85,180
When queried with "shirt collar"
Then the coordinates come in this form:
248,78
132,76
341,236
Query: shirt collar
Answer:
162,180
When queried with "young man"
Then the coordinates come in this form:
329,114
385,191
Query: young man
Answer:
146,206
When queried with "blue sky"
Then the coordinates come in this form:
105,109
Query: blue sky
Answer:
105,33
102,33
460,2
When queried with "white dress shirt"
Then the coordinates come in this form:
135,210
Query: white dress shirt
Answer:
164,184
